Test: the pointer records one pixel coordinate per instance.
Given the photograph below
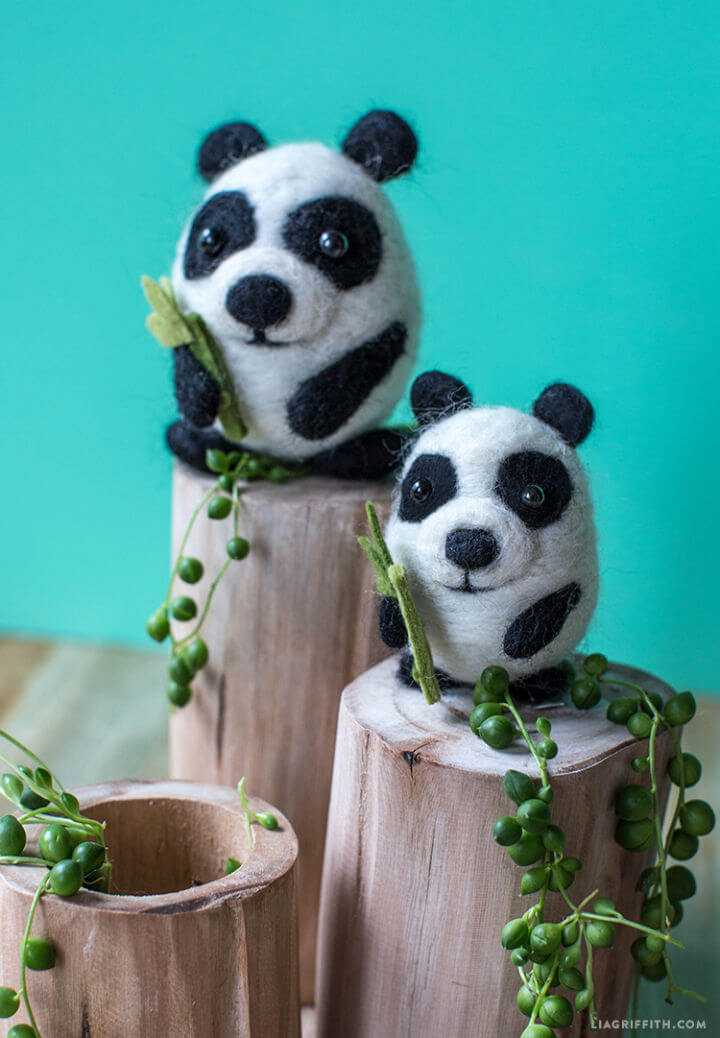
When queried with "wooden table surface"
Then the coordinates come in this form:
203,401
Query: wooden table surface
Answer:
98,713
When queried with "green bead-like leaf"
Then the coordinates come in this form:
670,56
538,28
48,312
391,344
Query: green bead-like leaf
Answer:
697,818
507,831
39,954
633,803
685,768
680,709
514,934
527,850
12,837
9,1002
518,786
533,880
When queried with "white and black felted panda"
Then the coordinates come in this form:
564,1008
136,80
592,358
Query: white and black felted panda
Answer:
298,265
493,521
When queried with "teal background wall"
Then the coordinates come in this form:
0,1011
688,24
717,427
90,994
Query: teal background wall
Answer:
565,216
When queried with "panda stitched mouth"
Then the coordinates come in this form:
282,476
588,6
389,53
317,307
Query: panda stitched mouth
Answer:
467,588
260,339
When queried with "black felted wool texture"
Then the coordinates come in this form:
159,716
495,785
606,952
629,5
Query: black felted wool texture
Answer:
566,409
519,471
259,300
471,548
391,624
372,455
545,684
324,403
197,392
435,395
226,145
405,674
305,225
435,475
232,219
540,623
190,445
383,144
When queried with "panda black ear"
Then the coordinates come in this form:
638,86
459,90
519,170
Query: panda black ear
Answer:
435,395
383,144
566,409
226,145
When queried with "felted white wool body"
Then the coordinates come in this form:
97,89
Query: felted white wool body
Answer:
324,322
466,630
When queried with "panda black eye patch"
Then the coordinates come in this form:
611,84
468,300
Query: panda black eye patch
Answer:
535,486
431,482
225,224
316,231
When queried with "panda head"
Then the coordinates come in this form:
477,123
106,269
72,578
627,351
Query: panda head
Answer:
493,521
295,256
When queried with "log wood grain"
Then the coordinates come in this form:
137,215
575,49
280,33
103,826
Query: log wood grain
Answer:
291,625
415,891
179,949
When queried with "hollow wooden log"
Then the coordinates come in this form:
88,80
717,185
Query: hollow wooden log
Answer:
290,626
179,948
416,892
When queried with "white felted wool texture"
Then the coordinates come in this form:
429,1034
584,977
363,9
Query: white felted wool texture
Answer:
324,322
466,631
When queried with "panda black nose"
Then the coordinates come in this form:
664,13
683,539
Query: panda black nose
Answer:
471,548
259,301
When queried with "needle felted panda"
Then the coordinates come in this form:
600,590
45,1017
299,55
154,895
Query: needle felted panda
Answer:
297,264
493,522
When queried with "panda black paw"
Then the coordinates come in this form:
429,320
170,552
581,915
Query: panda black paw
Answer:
405,675
373,455
196,391
538,688
190,444
391,624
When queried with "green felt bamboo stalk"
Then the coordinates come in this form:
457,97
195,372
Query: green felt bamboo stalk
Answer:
392,580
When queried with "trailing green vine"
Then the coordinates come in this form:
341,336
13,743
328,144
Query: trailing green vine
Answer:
263,818
189,652
547,955
71,847
173,328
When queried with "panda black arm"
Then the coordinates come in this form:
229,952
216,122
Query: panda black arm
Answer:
323,403
391,623
196,391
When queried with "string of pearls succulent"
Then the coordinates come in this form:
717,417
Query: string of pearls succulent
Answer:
189,653
548,955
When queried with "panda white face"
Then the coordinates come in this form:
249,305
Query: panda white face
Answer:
295,258
493,521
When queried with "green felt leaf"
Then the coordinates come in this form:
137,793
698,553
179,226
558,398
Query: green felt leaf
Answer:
173,328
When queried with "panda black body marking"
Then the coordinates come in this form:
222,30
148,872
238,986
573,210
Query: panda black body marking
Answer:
297,263
493,522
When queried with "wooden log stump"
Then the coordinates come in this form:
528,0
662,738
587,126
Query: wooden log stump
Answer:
179,948
290,626
416,892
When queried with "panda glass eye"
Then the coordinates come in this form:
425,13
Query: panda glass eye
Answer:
533,496
421,490
211,240
333,244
